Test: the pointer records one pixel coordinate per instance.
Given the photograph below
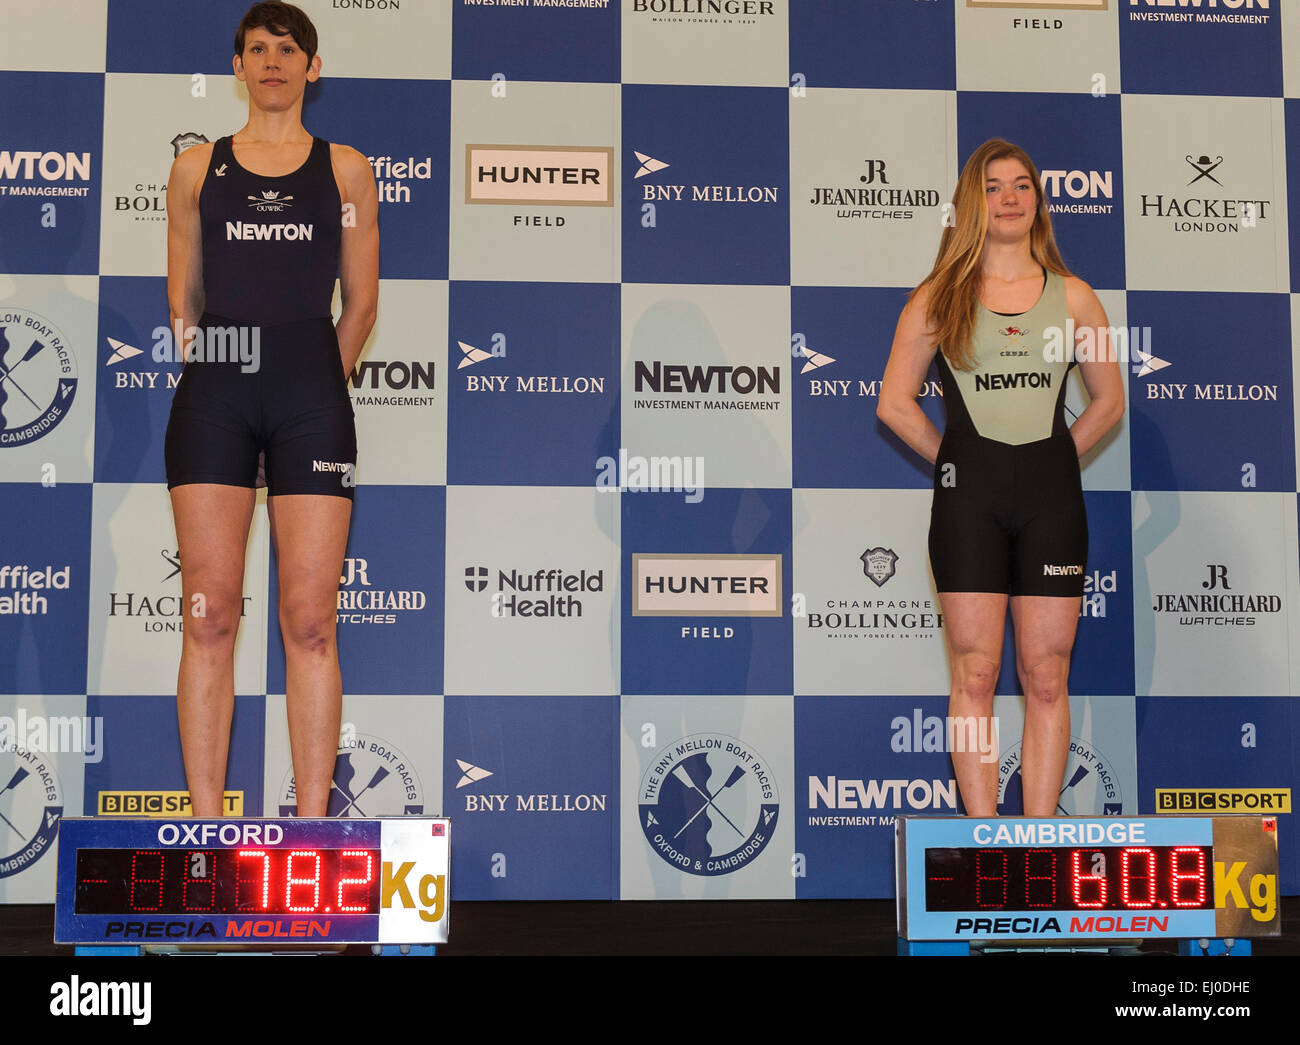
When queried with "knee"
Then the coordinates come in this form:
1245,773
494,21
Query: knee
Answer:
975,675
307,628
1045,680
212,621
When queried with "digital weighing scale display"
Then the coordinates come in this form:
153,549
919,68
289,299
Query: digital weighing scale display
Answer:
228,881
1093,879
1083,879
124,881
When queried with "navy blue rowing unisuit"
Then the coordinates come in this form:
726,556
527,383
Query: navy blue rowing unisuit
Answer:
267,377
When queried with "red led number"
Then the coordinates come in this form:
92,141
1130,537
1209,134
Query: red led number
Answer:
314,881
1137,865
152,891
1079,883
363,880
1182,878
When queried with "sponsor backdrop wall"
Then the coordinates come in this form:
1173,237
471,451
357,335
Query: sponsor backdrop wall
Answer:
659,359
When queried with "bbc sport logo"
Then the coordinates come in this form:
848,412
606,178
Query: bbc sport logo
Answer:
1223,800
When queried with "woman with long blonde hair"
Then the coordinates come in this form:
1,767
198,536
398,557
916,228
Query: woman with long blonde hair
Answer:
1007,523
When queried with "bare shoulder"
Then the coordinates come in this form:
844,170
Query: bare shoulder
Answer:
194,159
913,317
188,170
1082,300
348,162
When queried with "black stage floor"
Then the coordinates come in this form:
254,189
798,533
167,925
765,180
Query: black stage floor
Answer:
648,928
785,966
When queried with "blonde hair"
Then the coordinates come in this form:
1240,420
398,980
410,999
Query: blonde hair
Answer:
954,282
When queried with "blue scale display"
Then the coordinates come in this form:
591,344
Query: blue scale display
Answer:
1111,878
238,881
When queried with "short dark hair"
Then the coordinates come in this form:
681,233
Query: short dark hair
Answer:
280,20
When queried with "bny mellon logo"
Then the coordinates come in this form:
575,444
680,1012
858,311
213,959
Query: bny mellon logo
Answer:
472,355
121,351
471,774
1150,363
813,360
648,164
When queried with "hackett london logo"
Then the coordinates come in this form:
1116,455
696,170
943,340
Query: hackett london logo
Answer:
1204,168
166,611
1211,211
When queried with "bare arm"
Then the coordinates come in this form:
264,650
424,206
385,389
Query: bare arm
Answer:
359,260
185,237
909,360
1101,376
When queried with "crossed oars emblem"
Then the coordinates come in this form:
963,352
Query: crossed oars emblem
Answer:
685,777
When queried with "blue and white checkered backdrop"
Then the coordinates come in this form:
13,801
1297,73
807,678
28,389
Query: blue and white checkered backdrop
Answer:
658,359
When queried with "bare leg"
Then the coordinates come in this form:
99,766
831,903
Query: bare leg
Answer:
1045,630
310,533
972,627
211,532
